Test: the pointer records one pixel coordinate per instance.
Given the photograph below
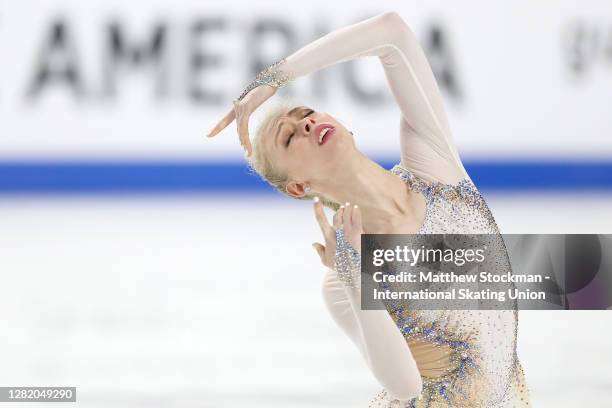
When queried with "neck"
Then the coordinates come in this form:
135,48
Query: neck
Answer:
382,197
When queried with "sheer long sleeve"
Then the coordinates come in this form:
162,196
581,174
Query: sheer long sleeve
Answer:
426,143
427,149
376,336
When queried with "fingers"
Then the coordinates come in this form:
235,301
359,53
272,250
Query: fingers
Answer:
245,141
320,250
356,218
223,123
351,219
346,216
242,122
338,217
326,229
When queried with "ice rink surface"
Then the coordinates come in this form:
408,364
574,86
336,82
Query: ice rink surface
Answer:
205,301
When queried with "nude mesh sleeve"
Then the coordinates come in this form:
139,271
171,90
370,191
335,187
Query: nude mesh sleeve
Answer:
426,144
376,336
426,148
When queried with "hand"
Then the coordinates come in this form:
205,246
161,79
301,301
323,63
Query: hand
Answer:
348,217
241,111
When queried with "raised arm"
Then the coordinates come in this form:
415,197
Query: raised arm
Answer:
426,144
374,332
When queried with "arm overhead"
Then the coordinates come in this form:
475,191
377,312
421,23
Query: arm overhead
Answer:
426,144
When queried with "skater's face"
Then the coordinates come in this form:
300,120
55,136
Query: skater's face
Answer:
307,145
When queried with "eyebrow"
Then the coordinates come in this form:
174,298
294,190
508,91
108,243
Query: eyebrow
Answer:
291,112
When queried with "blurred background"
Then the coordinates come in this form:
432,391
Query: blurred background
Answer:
143,264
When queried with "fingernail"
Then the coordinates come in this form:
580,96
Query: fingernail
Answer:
316,199
347,204
341,206
355,206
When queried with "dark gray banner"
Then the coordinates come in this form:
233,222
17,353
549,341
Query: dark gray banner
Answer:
486,272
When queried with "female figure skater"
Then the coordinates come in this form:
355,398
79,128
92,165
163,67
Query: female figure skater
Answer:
422,358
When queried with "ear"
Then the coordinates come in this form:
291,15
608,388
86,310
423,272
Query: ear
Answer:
296,188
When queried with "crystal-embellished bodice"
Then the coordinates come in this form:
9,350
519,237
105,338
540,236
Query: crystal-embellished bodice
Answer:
467,358
451,208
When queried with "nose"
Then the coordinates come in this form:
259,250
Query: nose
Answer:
308,125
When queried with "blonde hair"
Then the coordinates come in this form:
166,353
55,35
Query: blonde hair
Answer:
261,164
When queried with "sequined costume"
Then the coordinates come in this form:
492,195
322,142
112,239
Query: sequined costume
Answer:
421,358
467,358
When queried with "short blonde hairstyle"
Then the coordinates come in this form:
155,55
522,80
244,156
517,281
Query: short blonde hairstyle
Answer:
261,164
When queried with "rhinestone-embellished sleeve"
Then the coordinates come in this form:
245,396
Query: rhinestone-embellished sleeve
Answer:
374,332
273,76
376,336
347,262
426,144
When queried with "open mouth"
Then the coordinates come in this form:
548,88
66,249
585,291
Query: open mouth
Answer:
323,133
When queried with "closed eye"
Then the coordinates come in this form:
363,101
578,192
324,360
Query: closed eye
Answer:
308,113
